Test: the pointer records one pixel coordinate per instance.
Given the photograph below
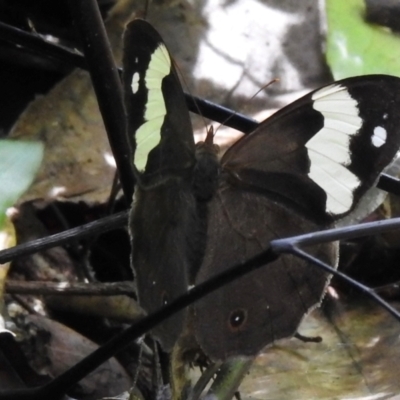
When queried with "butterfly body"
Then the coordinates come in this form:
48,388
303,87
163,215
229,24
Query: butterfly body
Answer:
180,241
193,217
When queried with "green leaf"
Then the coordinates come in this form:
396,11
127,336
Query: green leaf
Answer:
19,162
355,47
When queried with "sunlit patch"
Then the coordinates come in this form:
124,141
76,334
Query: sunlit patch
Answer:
375,340
38,305
62,285
57,191
12,212
110,160
333,293
351,59
51,39
14,309
3,240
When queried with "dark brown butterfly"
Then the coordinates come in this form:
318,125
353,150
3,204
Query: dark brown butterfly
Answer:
193,216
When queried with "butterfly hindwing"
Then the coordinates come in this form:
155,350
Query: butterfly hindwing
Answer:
269,303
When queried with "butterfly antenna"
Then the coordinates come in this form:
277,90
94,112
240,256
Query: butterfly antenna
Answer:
275,80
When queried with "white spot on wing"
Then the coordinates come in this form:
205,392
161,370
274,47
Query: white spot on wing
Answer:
379,137
149,133
135,82
328,149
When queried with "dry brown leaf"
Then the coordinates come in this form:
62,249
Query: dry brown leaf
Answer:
65,348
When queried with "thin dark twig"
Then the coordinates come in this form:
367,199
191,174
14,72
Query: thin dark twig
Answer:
39,45
105,224
330,235
107,85
120,220
389,184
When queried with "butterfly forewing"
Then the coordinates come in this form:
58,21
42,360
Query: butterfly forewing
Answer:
161,221
158,119
337,140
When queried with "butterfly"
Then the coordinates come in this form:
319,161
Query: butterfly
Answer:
194,215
